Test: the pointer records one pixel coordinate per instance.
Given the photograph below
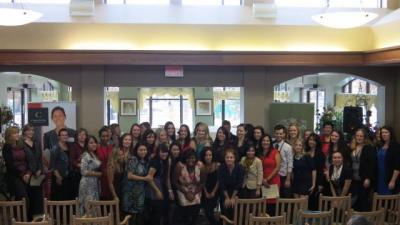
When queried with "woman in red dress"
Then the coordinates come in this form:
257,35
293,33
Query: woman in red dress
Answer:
271,161
104,151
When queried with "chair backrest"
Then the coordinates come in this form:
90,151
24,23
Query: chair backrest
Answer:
291,207
45,222
12,209
267,220
61,212
391,205
339,206
245,207
105,220
105,208
316,218
375,217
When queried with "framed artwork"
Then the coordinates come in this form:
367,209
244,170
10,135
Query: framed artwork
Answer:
204,107
128,107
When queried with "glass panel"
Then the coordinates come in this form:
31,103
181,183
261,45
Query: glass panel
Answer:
373,89
232,107
164,110
14,102
44,1
201,2
148,2
145,112
187,114
359,86
218,113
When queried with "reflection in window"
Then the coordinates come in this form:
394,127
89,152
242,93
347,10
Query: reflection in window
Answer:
226,105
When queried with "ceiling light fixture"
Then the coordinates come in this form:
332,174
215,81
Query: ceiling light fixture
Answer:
344,19
17,17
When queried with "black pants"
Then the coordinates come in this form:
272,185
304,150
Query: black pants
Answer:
36,200
228,212
21,190
361,196
248,193
154,211
189,214
283,191
63,191
209,206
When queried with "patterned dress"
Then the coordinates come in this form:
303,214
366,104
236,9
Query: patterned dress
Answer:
133,191
89,186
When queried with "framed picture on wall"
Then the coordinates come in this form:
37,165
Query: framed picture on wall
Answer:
204,107
128,107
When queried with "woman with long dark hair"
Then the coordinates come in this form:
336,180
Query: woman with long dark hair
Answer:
104,150
339,176
241,144
258,133
149,137
169,127
338,144
221,142
135,133
184,137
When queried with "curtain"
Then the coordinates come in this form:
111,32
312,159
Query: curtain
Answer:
145,93
342,100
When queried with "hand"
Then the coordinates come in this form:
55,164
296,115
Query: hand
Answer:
212,195
392,185
227,203
265,182
366,183
148,178
159,195
171,195
190,196
326,174
232,202
26,178
258,192
311,189
38,173
287,183
320,188
59,180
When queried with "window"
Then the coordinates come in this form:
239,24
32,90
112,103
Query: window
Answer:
332,3
211,2
15,102
43,1
317,97
226,105
359,86
112,105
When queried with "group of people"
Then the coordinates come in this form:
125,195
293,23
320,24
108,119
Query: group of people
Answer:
166,176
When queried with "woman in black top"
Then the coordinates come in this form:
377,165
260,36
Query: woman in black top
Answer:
338,144
258,132
34,156
304,174
339,176
364,170
241,143
220,144
210,191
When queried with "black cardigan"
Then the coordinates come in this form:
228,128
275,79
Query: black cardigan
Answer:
392,163
368,166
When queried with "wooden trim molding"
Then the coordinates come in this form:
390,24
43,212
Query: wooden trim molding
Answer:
102,57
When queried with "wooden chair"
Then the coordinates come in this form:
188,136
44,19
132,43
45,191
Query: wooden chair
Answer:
44,222
391,205
315,218
106,220
12,209
61,212
290,207
339,206
104,208
375,217
242,209
267,220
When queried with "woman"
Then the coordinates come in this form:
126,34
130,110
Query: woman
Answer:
143,127
253,174
162,137
339,176
209,198
61,182
189,180
313,148
230,177
325,137
77,149
149,137
135,133
294,133
201,139
115,134
388,158
306,134
241,144
363,157
184,137
271,161
116,169
17,164
258,133
169,127
89,186
133,189
304,175
220,144
338,144
34,157
157,190
104,150
125,146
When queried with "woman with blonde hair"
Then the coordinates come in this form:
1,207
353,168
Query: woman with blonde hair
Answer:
293,134
201,139
115,172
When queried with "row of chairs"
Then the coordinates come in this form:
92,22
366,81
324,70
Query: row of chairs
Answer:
106,220
62,212
386,207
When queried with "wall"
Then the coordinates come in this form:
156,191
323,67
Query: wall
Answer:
204,93
126,121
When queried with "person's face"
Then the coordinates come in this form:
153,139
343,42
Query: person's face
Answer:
293,132
298,147
63,136
127,142
163,137
251,153
92,145
359,136
312,143
136,132
117,131
183,133
171,130
82,136
105,136
143,128
58,118
327,130
227,127
163,155
337,159
229,159
385,134
257,134
150,139
240,132
334,137
142,151
307,134
279,135
266,142
15,136
29,133
190,161
175,151
208,157
201,132
221,135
